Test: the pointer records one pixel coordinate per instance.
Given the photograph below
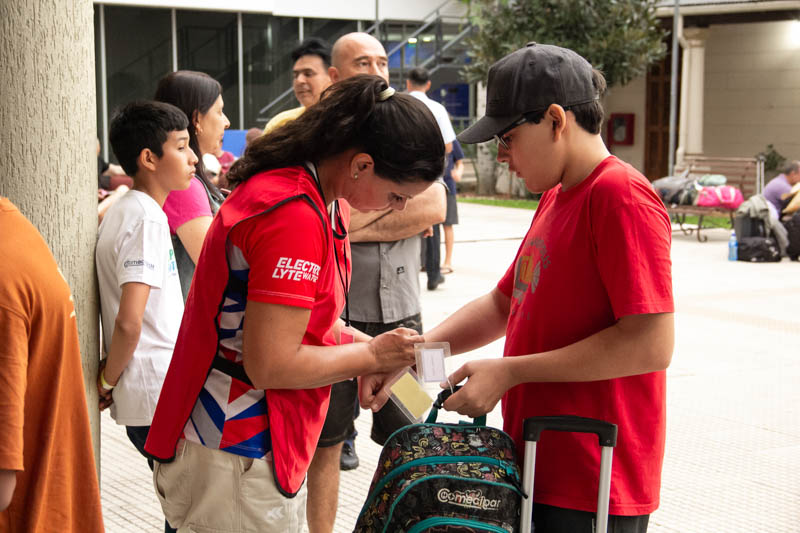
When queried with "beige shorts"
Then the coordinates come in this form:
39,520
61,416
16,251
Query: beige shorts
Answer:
212,491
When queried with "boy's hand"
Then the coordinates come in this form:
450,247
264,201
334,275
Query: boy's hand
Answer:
105,398
487,382
105,401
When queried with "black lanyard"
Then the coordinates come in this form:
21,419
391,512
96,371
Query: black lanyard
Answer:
339,233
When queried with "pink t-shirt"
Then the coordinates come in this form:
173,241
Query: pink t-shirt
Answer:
593,254
186,205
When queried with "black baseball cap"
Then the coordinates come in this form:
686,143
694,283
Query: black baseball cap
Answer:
528,81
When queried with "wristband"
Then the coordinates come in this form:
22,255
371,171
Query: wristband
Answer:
105,383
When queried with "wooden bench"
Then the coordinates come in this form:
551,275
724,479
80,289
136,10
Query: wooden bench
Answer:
744,173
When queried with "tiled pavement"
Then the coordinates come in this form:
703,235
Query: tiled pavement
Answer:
733,438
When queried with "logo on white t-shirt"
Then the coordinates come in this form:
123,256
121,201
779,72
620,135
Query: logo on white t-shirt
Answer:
173,266
138,263
296,270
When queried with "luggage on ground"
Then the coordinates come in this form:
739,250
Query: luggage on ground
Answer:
758,250
747,226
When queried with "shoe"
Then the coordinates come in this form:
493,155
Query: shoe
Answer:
348,459
447,270
432,284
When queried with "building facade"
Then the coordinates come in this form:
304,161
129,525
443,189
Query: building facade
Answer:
246,45
739,85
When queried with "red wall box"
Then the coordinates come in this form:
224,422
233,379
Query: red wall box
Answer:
620,129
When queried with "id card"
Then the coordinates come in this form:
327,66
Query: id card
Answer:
430,361
409,396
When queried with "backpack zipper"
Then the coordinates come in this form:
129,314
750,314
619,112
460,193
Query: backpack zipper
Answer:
443,521
447,459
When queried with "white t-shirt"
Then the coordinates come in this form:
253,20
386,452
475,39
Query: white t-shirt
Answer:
439,113
134,245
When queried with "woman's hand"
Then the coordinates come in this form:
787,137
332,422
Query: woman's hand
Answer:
373,389
394,349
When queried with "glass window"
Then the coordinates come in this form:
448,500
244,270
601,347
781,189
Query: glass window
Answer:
267,43
328,29
207,42
138,53
98,78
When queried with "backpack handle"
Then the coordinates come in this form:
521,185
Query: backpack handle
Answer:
443,396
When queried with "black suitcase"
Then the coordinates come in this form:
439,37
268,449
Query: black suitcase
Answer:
749,227
758,250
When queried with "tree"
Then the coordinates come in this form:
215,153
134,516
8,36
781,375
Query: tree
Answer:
621,38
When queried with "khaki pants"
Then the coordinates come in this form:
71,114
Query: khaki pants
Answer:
212,491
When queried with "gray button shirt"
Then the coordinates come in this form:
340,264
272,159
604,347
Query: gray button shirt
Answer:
385,283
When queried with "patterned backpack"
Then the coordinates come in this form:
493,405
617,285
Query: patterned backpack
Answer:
436,477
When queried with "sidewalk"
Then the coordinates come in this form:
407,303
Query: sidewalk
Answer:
733,430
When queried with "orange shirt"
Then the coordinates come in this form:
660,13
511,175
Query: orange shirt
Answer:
44,421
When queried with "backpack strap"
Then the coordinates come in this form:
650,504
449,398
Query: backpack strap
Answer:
443,396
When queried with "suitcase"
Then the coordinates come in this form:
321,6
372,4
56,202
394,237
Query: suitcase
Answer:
607,435
745,226
435,477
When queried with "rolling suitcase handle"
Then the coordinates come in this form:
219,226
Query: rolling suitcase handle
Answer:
607,435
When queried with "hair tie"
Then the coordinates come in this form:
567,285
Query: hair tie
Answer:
385,94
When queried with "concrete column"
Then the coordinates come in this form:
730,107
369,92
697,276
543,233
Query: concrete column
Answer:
487,163
690,135
48,131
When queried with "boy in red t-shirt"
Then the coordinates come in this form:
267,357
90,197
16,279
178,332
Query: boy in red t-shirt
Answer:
586,306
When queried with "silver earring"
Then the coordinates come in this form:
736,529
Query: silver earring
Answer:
355,175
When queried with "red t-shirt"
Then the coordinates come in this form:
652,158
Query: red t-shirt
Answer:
593,254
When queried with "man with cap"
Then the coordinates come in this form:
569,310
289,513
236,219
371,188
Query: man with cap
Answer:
586,306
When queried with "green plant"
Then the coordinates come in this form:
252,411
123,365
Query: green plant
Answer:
772,159
520,203
621,38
